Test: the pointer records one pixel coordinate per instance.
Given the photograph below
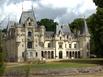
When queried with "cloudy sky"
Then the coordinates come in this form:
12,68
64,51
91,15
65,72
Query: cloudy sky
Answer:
63,11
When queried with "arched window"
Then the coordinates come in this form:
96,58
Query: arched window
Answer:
52,54
29,34
67,54
42,54
29,44
48,54
70,54
78,54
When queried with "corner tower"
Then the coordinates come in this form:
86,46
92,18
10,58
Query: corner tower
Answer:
85,41
28,26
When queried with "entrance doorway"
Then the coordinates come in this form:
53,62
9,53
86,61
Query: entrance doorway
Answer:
60,55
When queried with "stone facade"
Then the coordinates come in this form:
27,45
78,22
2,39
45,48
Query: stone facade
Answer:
28,41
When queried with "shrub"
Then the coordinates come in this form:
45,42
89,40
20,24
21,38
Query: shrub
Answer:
1,64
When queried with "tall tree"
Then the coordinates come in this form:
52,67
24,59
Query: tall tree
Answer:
49,24
99,3
77,25
95,23
92,26
1,54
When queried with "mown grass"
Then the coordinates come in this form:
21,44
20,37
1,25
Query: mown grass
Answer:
53,65
60,65
77,63
26,68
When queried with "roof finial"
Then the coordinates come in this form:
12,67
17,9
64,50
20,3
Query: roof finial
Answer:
22,6
32,5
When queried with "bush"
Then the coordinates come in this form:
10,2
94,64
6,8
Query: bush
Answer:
1,69
1,64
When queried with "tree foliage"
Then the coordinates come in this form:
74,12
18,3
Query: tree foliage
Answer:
77,25
1,55
98,3
49,24
95,23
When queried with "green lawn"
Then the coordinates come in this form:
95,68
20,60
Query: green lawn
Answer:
53,65
25,68
59,65
77,63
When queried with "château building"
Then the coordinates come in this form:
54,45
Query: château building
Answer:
28,41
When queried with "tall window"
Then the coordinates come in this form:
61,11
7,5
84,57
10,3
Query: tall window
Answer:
42,54
75,45
49,45
36,54
67,54
29,34
69,45
52,54
29,45
60,45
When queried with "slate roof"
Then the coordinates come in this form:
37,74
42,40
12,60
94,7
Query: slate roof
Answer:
84,30
58,28
10,24
65,29
25,15
49,34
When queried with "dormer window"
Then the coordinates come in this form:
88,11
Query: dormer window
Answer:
29,23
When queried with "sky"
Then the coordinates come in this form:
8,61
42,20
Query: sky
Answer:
62,11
